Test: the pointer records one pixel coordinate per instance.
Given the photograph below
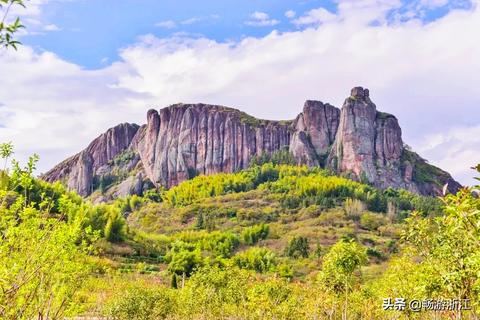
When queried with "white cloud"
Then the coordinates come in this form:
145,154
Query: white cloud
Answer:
168,24
261,19
55,108
456,149
290,14
51,27
315,17
191,21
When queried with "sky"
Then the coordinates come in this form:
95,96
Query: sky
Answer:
87,65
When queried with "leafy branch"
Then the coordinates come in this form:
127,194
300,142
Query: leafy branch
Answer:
8,30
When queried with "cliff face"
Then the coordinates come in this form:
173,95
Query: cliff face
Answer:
185,140
78,172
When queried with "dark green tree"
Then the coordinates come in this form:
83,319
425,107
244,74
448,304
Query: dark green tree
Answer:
298,247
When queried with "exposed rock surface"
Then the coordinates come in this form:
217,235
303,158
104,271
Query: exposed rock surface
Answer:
185,140
78,172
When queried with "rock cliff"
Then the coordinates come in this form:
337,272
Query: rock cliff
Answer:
186,140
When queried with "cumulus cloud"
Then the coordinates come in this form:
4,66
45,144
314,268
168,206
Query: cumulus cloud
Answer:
191,21
261,19
55,108
456,149
425,74
167,24
51,27
315,17
290,14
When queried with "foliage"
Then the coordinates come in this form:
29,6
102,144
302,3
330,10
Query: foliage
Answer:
183,259
423,172
7,30
339,264
354,208
372,221
115,228
298,247
252,235
42,258
282,156
450,244
204,257
258,259
140,303
124,158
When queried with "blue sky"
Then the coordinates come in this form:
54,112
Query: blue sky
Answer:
91,32
87,65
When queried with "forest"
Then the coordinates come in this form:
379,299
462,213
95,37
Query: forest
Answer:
275,241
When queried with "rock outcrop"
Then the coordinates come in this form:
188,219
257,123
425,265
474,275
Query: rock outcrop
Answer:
186,140
183,141
79,171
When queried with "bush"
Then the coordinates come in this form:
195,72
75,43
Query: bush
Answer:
115,228
252,235
142,304
354,208
258,259
183,259
298,247
372,221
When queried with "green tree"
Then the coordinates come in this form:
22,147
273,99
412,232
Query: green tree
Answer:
298,247
258,259
339,265
450,243
183,259
252,235
115,228
41,259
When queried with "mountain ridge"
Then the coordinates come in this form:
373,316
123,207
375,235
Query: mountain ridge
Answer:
184,140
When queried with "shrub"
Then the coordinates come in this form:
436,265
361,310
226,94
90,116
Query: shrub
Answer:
298,247
142,304
372,221
332,218
252,235
258,259
115,228
354,208
183,258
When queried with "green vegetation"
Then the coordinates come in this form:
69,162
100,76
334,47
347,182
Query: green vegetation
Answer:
423,172
8,30
298,247
123,158
282,156
257,259
251,235
384,115
272,242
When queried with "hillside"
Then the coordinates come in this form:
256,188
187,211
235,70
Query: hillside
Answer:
274,241
186,140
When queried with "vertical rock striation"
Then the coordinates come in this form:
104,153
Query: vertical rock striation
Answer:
78,171
185,140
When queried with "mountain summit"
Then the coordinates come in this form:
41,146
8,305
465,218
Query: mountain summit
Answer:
186,140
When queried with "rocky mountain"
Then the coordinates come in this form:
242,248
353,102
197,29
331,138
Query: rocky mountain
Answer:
186,140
